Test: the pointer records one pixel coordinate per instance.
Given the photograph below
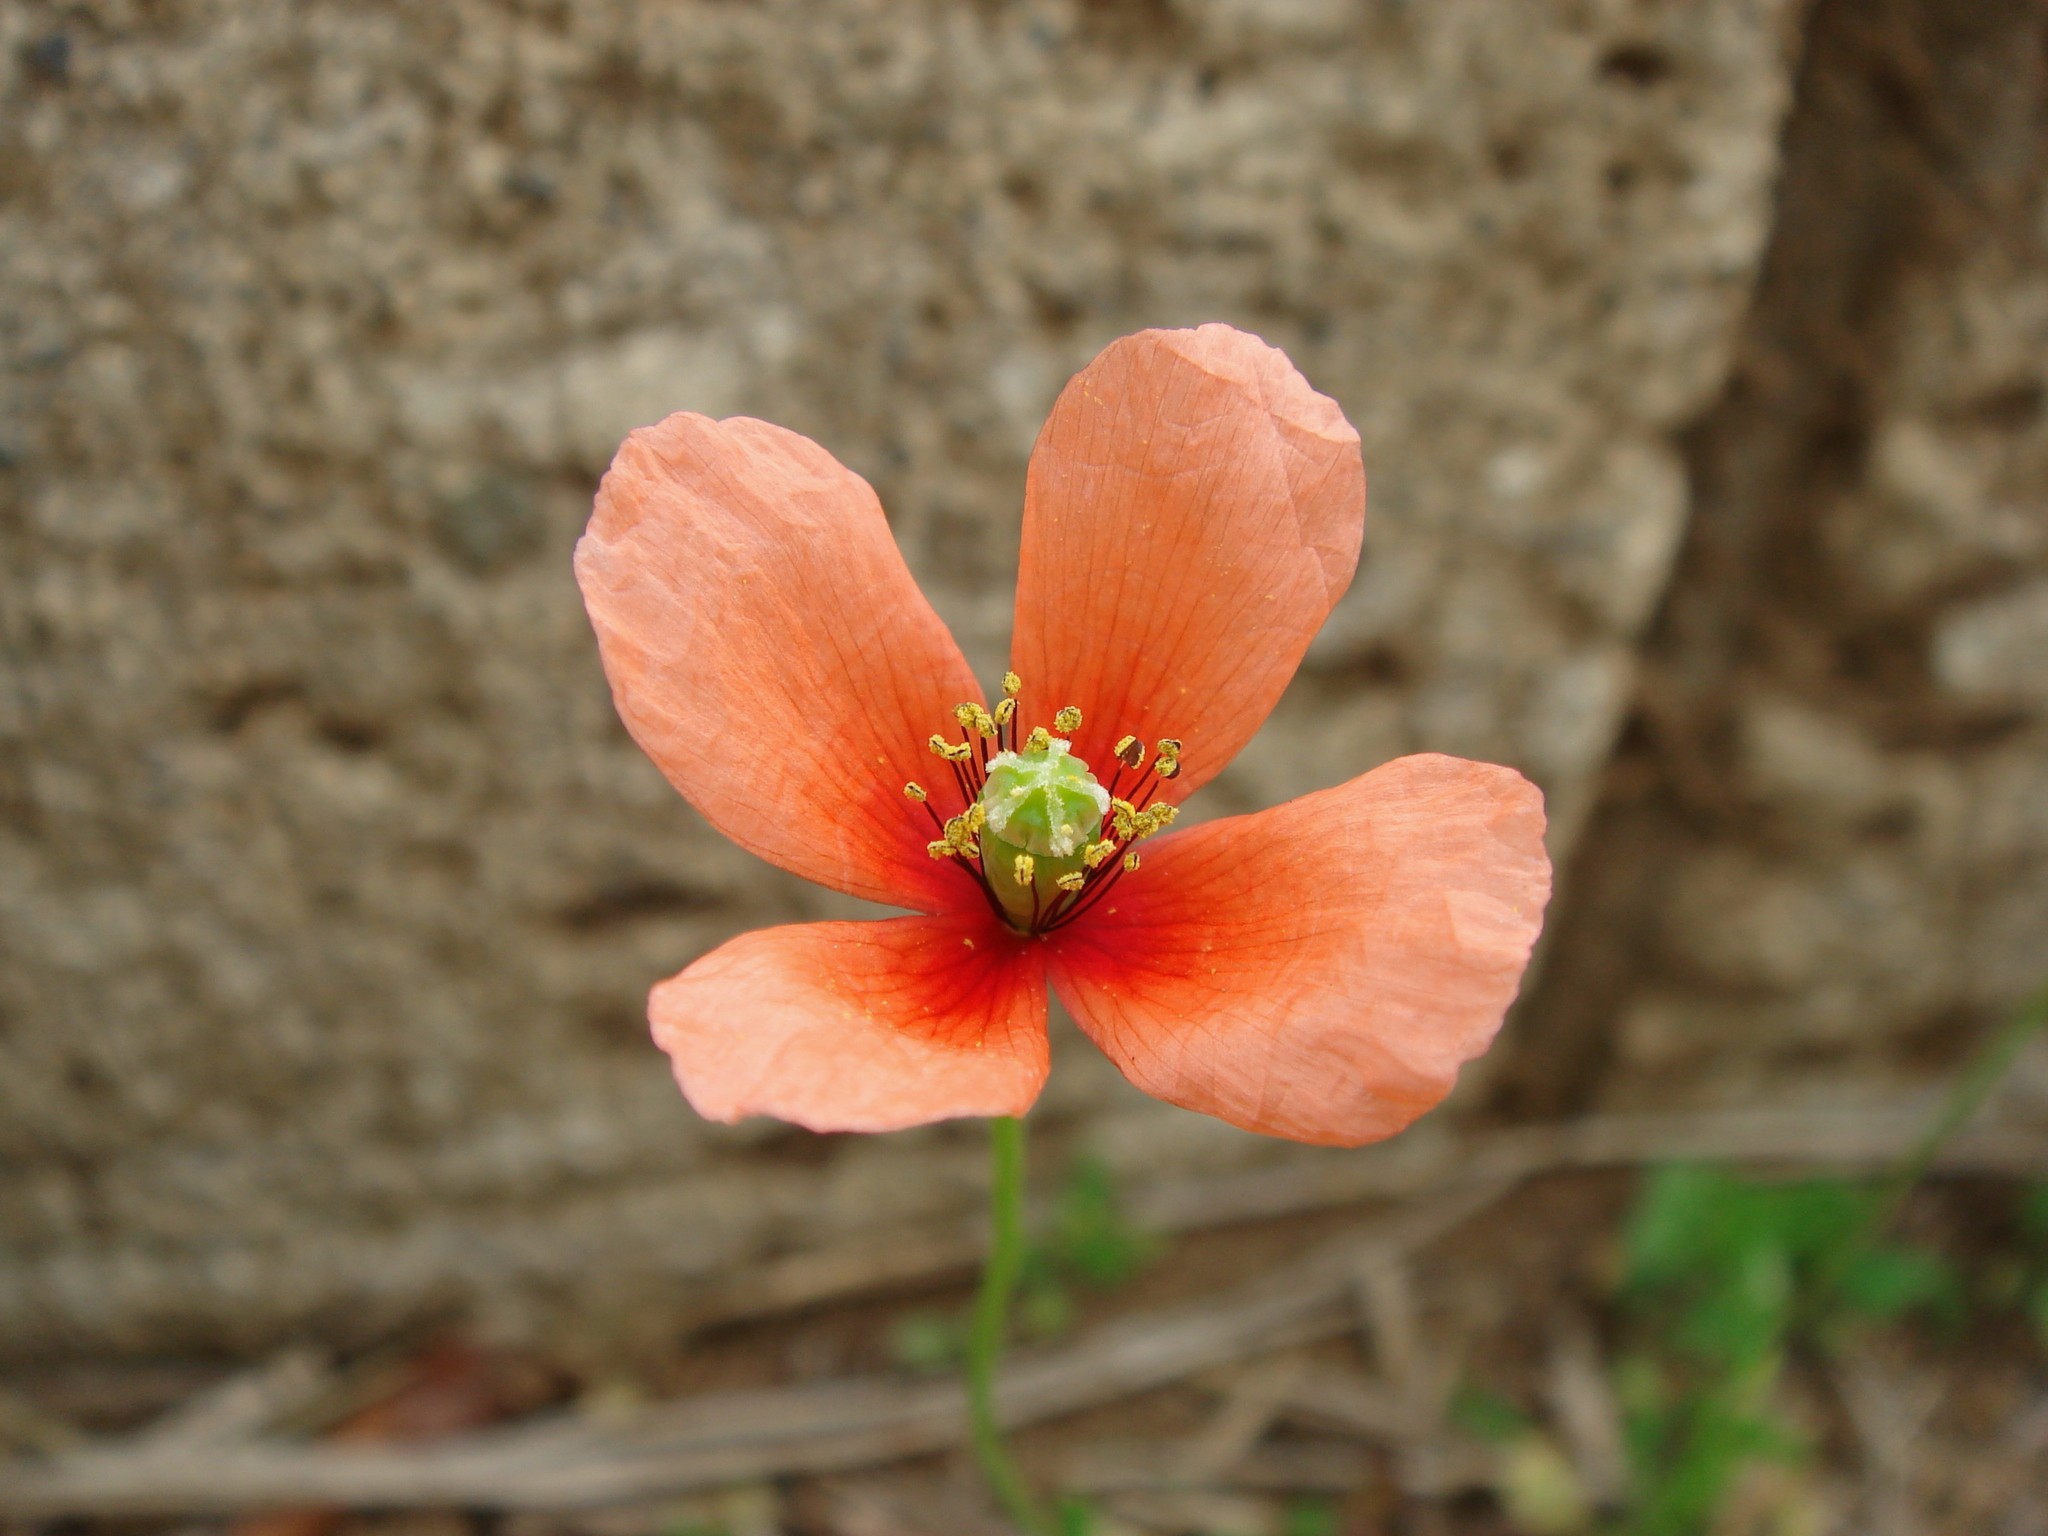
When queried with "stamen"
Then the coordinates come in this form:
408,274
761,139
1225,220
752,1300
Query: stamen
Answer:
1155,818
1074,828
976,719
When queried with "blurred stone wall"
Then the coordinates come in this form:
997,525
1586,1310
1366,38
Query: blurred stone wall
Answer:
329,886
1820,867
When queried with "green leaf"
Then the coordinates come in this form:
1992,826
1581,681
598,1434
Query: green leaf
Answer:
1487,1415
1089,1238
1815,1217
1309,1516
1677,1224
1743,1316
2034,1214
1887,1283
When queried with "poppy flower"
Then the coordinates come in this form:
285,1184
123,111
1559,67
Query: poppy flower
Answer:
1192,512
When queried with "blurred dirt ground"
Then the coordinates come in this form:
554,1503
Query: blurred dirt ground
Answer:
1356,1421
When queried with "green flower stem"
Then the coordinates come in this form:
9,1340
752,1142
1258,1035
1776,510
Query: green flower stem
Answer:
991,1317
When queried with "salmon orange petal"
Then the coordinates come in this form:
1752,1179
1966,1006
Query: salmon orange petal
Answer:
1319,971
861,1026
1193,510
768,648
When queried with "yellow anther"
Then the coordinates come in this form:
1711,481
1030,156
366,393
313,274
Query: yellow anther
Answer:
951,751
1072,880
1040,740
1123,816
1021,868
1006,711
1167,767
1067,721
960,832
939,848
1012,684
1169,746
1154,818
1095,855
977,816
915,791
1131,861
974,718
1130,752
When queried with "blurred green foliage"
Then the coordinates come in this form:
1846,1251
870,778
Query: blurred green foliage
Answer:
1086,1242
1487,1415
1310,1516
2033,1227
1723,1276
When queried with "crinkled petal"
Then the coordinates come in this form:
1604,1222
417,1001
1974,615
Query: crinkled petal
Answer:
1320,970
768,648
863,1026
1193,512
